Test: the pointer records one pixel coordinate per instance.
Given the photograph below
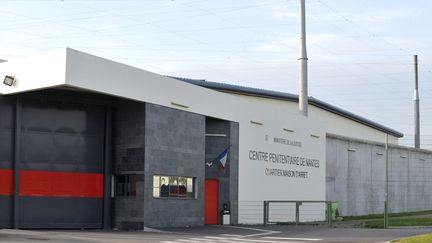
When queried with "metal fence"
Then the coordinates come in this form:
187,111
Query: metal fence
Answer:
297,212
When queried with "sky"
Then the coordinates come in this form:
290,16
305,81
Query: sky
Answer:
360,52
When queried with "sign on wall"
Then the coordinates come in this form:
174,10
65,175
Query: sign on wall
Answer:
279,160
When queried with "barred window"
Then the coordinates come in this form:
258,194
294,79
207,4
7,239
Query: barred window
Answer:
125,185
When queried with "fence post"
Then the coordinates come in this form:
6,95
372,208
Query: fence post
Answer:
329,213
265,213
298,212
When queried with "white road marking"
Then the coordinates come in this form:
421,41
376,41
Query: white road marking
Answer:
261,237
189,240
260,234
249,228
240,239
227,240
216,237
147,229
265,232
203,239
264,241
289,238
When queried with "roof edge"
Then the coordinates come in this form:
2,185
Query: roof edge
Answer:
230,88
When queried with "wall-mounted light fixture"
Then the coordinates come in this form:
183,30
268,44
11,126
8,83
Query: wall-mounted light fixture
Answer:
9,80
288,130
215,135
179,105
256,123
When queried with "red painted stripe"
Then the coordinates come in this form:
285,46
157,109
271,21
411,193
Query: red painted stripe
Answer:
61,184
6,182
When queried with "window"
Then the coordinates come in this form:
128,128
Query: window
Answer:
125,185
173,186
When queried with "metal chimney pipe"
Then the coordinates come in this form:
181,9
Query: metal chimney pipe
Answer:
303,79
416,106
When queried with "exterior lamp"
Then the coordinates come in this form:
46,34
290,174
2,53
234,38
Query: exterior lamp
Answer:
9,80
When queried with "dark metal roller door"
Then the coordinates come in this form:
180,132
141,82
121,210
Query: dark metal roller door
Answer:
6,157
61,165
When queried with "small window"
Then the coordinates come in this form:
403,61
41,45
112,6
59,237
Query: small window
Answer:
125,185
173,186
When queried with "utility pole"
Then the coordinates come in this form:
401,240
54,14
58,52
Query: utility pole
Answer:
303,79
416,106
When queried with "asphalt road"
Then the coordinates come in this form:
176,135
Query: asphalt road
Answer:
209,234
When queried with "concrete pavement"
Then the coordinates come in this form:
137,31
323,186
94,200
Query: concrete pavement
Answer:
210,234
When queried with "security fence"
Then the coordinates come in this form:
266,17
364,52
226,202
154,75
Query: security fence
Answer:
297,212
327,213
287,212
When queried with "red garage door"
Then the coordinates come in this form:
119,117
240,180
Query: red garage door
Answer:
62,165
211,201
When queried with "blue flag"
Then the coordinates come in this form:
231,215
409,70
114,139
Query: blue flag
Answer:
222,158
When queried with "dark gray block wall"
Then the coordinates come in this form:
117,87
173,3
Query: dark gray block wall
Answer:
128,158
228,178
175,145
234,175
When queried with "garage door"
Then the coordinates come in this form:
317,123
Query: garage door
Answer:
6,168
61,159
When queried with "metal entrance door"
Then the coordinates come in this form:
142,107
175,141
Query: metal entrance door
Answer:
211,201
61,162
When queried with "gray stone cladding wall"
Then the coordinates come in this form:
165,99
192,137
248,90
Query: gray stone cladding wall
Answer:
234,175
128,158
175,145
228,177
356,177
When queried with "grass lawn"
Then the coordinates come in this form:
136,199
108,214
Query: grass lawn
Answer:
417,239
399,221
419,218
376,216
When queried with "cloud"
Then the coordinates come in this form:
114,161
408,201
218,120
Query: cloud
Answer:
283,42
281,15
271,47
11,51
322,13
374,17
106,13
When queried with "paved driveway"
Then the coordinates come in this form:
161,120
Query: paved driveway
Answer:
209,234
